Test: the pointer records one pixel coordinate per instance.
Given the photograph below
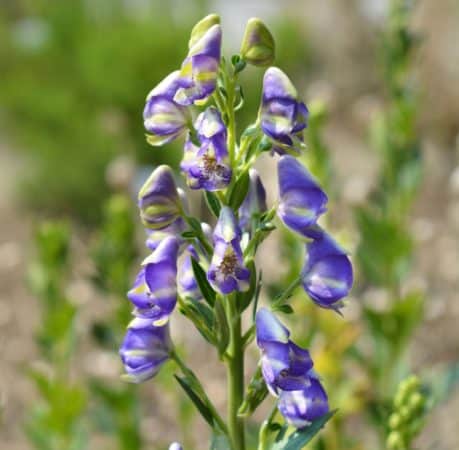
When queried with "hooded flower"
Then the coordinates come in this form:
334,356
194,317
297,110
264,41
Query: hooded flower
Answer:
283,117
198,75
254,203
227,272
154,293
300,408
187,284
285,366
302,200
163,118
327,275
207,166
144,350
158,199
288,372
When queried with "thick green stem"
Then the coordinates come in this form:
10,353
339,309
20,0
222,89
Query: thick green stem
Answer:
235,377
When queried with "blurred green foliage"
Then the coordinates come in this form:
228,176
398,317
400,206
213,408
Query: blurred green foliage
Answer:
56,420
74,79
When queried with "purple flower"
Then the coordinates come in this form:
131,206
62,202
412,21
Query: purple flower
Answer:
187,284
198,74
154,293
288,372
285,366
283,117
327,274
207,167
163,118
254,203
158,199
300,408
302,200
144,350
155,237
227,272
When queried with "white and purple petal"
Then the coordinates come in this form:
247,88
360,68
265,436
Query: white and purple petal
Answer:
302,200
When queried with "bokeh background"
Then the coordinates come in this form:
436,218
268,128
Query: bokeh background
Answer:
73,79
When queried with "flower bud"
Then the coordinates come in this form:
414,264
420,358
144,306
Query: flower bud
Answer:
158,199
199,71
395,441
201,28
257,46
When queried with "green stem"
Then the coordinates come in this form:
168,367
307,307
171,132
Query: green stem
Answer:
235,371
278,301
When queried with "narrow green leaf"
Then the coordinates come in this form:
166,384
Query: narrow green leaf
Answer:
201,279
213,203
206,413
298,439
239,191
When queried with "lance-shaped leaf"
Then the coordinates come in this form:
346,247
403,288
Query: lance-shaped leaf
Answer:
205,287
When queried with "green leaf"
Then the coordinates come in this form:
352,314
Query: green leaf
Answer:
299,438
213,203
201,316
201,406
190,234
221,325
204,286
239,190
285,308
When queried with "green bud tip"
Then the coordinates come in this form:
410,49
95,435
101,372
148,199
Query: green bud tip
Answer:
258,47
201,27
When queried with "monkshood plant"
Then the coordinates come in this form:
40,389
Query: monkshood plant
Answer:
209,271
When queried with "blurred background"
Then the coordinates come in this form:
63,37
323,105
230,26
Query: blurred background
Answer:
73,80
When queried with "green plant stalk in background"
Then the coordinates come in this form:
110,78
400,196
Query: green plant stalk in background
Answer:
57,421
